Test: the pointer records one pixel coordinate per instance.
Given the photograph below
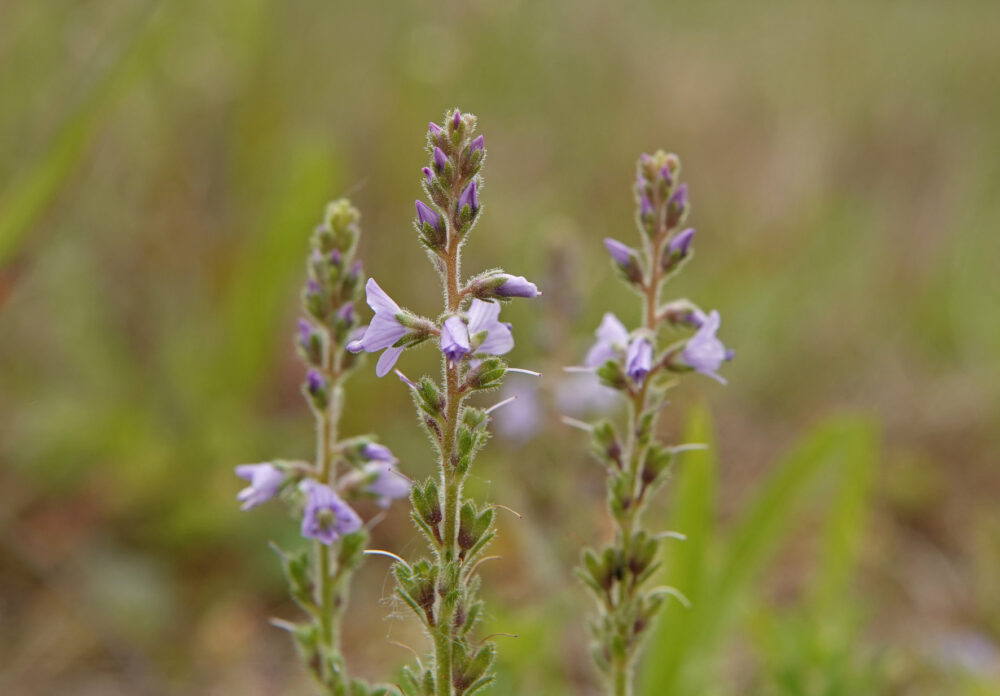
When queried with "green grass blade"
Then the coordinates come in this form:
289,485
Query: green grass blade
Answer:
692,512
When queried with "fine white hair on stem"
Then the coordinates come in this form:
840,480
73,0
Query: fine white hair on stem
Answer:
579,368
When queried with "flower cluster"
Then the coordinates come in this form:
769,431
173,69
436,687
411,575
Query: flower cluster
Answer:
633,363
344,471
441,588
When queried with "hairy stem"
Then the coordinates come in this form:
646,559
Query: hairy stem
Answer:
451,483
327,425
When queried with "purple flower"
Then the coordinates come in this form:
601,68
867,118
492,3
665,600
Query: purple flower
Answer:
517,286
454,338
383,331
434,129
665,174
621,254
440,159
326,517
373,451
679,197
681,242
522,421
388,484
265,480
428,174
335,257
583,394
456,120
476,144
611,340
469,198
704,352
425,214
493,336
638,359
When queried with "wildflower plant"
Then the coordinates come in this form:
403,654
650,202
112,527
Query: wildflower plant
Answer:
442,588
636,462
344,470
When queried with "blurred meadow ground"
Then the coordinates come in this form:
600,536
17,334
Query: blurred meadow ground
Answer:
161,167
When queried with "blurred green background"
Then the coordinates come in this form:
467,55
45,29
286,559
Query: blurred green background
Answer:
161,167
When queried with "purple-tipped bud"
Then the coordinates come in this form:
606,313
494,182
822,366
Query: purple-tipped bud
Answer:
356,268
469,198
315,382
335,257
517,286
305,332
454,338
440,159
665,174
346,312
681,242
619,252
456,120
638,359
645,207
477,144
312,287
425,214
428,174
434,129
679,198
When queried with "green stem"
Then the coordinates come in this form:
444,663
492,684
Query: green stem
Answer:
327,422
451,484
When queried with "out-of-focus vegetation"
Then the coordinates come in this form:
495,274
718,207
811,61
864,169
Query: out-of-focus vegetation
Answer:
162,164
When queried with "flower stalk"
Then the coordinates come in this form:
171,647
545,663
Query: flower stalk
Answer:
343,470
442,587
637,464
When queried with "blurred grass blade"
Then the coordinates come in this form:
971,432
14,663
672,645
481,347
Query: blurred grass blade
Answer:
682,645
692,512
846,522
27,197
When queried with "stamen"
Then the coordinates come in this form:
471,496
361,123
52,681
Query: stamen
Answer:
675,593
389,554
690,447
497,405
511,510
587,427
493,635
670,535
406,647
480,561
405,380
523,371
